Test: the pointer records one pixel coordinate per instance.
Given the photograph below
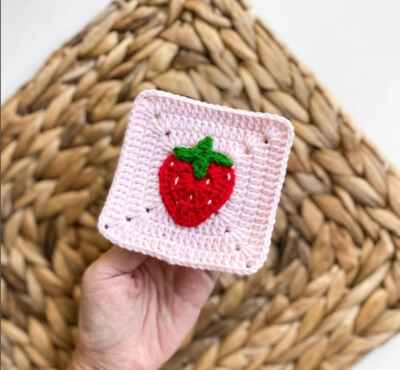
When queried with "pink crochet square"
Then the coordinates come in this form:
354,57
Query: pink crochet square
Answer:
235,239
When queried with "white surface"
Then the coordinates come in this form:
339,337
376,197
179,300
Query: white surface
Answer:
33,29
354,49
353,46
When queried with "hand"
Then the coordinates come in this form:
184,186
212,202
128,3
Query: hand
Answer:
135,310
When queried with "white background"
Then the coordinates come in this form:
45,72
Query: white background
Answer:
352,45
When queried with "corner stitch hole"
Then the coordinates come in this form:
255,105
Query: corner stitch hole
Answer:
167,133
129,219
106,227
157,116
227,231
148,210
238,248
266,141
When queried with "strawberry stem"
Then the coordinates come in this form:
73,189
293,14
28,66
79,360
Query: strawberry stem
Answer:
201,155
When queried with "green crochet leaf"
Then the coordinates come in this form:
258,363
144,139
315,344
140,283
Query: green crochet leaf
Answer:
221,159
184,154
201,156
205,144
200,167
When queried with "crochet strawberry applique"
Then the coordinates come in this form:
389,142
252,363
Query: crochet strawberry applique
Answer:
195,182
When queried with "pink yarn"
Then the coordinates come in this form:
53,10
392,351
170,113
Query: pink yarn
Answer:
235,239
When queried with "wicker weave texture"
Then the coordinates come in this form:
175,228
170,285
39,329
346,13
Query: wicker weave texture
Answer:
330,291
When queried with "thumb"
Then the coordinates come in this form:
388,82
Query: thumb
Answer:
116,261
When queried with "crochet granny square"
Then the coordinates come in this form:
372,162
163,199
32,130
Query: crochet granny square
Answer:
197,184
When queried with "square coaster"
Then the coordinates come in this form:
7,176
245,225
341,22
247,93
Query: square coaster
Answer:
234,238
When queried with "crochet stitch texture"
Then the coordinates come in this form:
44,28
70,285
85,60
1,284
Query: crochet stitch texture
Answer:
195,182
201,156
234,239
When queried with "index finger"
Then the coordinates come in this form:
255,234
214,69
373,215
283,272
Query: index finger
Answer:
116,261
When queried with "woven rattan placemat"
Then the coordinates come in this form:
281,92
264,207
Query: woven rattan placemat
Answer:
330,290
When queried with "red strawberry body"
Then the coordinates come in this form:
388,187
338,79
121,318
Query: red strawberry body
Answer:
191,200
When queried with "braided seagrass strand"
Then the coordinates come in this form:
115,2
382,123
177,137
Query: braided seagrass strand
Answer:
329,292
